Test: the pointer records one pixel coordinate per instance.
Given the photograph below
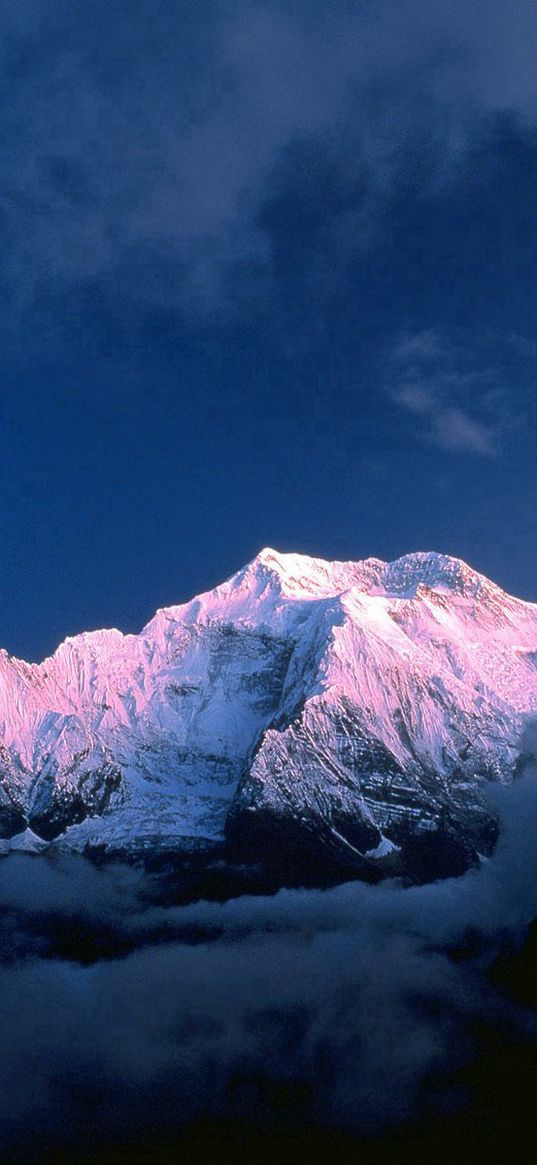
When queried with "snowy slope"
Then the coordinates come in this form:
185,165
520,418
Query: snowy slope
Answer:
360,705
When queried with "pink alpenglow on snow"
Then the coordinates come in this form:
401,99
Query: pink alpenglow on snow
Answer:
361,707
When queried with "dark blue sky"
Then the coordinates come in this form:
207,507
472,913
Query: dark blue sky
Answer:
268,277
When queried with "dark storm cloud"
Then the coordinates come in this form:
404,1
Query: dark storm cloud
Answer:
345,999
142,142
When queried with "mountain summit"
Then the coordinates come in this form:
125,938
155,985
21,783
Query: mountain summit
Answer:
347,713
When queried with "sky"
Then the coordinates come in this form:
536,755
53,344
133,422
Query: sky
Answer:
267,278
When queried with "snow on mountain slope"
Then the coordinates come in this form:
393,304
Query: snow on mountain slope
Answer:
363,706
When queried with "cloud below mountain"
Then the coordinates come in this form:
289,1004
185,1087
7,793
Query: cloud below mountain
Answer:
343,1006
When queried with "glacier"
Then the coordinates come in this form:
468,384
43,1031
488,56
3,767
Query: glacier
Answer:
346,716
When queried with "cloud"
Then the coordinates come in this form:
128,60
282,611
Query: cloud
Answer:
139,152
454,429
461,407
425,345
340,1008
417,398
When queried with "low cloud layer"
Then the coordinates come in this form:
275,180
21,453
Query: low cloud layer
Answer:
346,1003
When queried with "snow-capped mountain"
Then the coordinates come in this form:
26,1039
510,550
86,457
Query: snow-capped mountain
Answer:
356,710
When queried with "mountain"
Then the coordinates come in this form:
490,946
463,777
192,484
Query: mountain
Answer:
345,715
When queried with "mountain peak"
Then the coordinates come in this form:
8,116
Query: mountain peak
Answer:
302,575
285,562
297,690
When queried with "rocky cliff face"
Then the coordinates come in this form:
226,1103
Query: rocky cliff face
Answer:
347,714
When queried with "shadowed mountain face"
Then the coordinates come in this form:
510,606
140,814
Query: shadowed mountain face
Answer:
312,716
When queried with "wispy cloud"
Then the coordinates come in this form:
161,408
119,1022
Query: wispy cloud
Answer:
459,407
454,429
418,346
137,152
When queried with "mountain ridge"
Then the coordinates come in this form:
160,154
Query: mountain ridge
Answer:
360,703
272,558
